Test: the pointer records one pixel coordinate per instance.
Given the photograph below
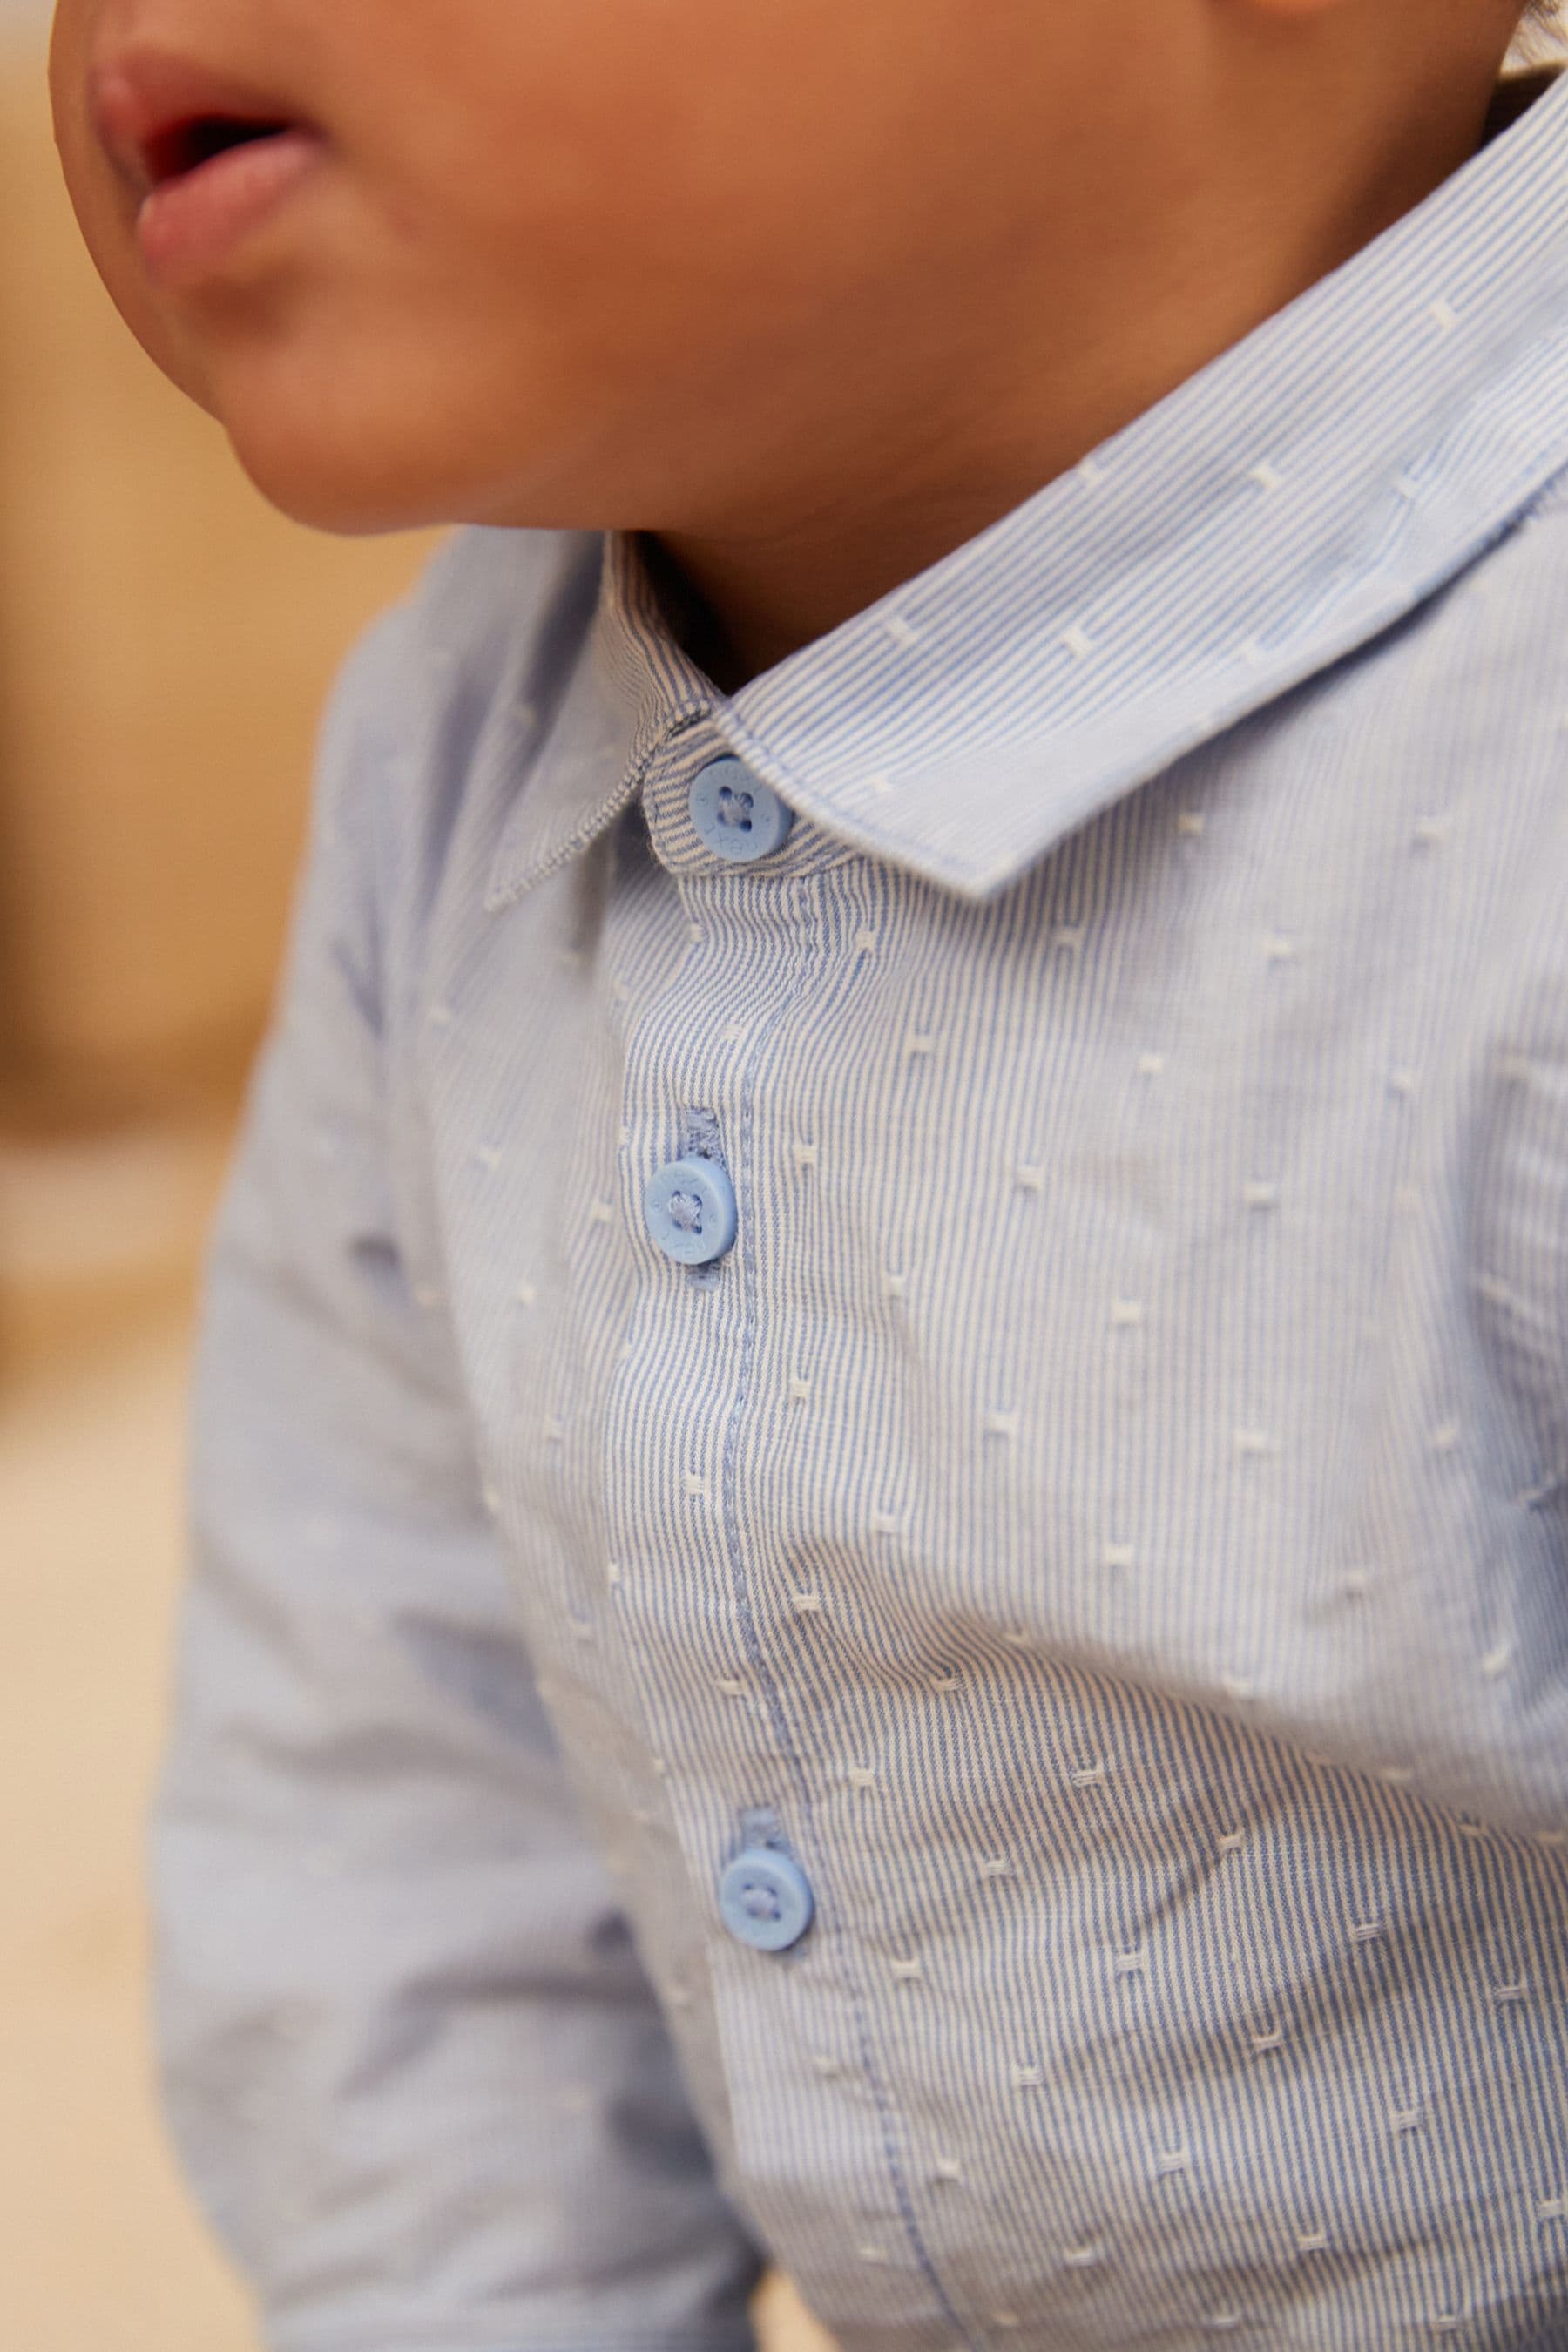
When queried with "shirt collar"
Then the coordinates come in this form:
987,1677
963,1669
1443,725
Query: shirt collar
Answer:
1275,511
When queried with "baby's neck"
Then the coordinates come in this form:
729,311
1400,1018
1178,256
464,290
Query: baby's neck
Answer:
1010,398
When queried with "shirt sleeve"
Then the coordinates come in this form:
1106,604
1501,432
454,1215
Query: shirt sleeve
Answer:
412,2066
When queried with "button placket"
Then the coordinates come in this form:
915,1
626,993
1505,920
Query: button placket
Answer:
678,1405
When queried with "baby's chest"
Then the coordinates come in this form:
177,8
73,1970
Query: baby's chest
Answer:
1013,1275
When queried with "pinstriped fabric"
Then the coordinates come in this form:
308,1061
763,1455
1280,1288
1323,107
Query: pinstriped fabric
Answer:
1107,1513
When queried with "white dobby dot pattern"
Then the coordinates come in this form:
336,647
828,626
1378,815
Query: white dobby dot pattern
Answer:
1026,1515
1106,1516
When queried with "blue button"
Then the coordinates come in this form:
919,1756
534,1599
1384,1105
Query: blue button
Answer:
736,815
690,1207
765,1900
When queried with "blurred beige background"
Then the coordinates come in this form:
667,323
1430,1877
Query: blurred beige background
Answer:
165,643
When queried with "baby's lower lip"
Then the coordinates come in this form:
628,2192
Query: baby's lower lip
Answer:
189,226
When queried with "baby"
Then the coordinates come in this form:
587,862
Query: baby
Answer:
881,1516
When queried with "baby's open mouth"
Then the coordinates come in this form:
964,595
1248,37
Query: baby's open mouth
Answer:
204,158
170,154
209,181
160,118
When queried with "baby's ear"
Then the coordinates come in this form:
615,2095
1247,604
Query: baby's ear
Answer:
105,207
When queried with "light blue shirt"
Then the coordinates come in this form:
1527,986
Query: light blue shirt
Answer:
1004,1740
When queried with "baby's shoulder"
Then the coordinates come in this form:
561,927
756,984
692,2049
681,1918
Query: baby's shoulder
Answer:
438,684
484,589
492,612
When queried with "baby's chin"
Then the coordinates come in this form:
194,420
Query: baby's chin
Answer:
350,468
355,448
325,494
